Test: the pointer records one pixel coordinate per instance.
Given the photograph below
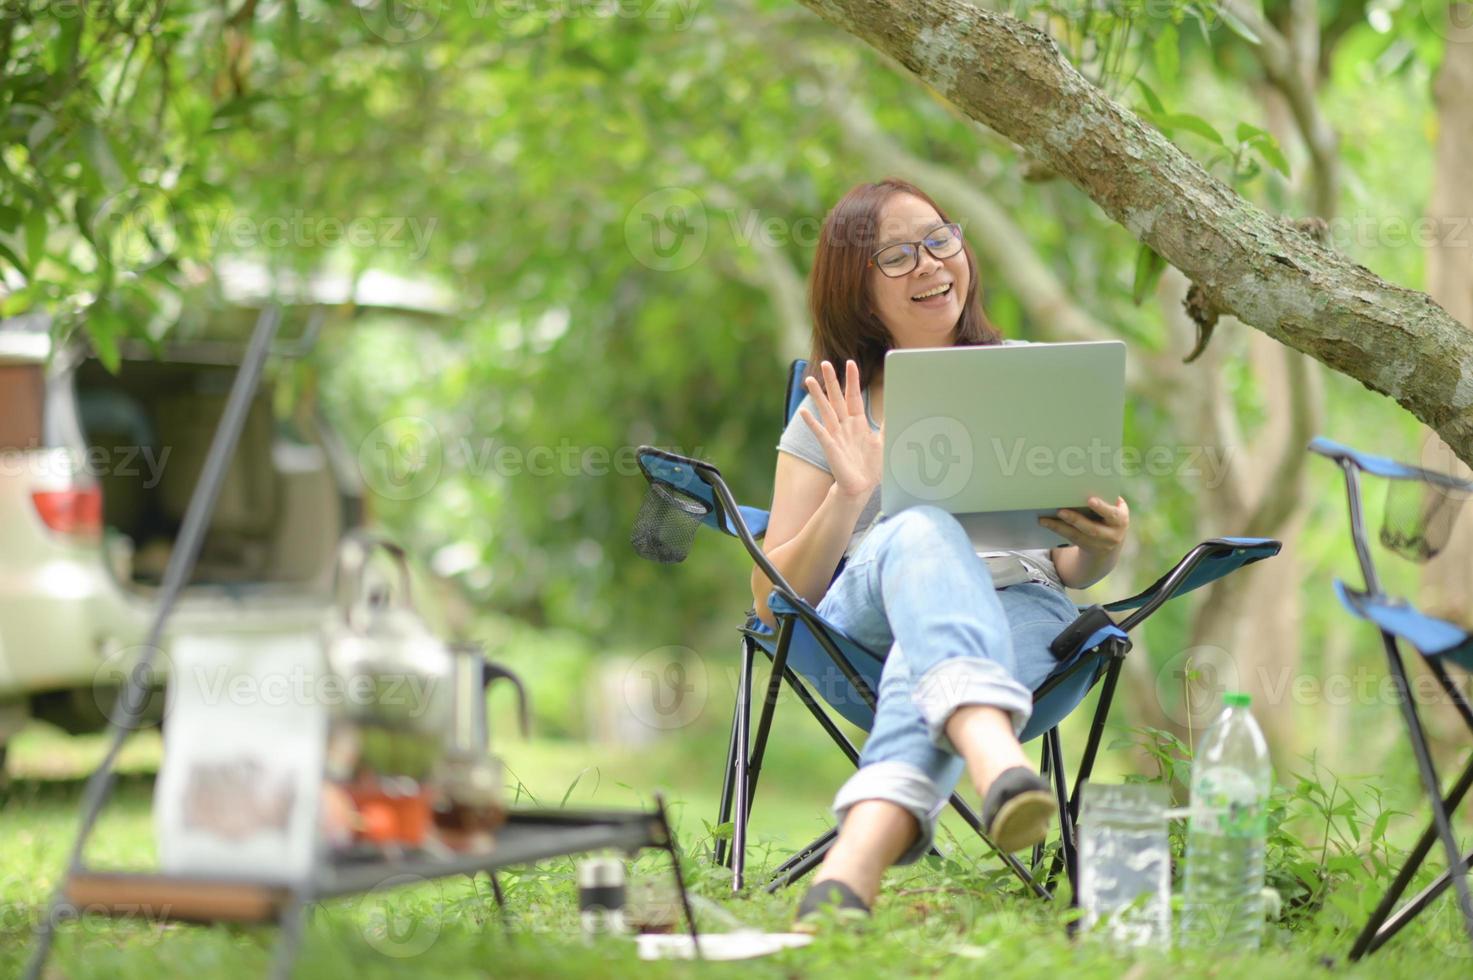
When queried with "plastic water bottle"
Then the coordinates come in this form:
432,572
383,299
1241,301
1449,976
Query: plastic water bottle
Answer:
1226,830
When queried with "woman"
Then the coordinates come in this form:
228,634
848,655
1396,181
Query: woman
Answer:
966,635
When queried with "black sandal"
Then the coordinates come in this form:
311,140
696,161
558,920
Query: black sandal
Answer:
1018,809
823,896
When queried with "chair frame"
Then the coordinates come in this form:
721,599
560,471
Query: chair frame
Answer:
1383,923
1101,647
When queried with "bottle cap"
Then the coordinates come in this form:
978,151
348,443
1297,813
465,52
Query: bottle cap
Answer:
1237,699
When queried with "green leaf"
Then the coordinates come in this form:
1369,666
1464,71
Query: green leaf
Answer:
35,236
1247,133
103,326
103,158
1272,155
1167,52
1195,124
1148,269
1236,25
1201,20
17,302
65,47
13,259
1152,99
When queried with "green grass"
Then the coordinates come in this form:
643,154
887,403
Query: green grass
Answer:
961,917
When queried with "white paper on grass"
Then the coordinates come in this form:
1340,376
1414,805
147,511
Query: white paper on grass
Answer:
719,945
245,732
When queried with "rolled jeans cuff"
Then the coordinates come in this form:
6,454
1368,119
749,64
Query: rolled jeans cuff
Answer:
904,785
968,680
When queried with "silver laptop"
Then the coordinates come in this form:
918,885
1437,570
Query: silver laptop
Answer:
1002,435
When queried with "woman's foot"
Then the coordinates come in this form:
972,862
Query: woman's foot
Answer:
828,897
1018,809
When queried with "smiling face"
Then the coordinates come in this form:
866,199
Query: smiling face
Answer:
922,307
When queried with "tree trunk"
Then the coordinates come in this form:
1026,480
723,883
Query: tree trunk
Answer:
1447,585
1011,77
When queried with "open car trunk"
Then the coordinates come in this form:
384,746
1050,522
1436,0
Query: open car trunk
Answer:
148,429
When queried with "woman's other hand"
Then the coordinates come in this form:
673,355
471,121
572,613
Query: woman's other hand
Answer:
855,452
1102,535
1098,541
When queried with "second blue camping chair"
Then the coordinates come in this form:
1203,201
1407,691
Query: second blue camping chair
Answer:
1421,510
809,654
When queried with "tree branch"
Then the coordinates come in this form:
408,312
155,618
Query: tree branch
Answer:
784,285
1011,76
1290,65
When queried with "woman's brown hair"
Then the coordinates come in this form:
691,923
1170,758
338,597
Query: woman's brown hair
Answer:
845,325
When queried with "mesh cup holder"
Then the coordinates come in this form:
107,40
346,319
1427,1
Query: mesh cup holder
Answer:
666,524
1419,518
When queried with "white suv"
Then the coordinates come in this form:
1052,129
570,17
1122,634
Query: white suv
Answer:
96,471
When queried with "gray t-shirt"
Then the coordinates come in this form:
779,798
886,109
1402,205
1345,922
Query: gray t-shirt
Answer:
1007,567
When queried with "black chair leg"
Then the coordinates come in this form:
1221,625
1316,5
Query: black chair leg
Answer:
1382,925
769,706
728,784
739,821
1037,857
1097,727
1066,854
1430,784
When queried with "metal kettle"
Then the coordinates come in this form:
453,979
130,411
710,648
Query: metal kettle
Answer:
396,678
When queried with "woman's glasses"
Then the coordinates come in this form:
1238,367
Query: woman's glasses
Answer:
900,259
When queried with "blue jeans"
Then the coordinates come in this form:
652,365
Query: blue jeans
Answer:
915,588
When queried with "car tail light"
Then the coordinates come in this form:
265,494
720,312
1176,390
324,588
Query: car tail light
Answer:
76,511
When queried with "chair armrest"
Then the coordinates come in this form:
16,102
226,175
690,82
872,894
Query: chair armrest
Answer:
1383,467
695,478
1204,564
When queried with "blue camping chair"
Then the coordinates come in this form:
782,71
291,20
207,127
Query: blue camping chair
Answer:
810,654
1416,526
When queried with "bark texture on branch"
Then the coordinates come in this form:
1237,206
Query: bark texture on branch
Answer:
1012,78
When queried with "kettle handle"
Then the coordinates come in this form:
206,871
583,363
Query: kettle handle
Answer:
493,672
354,552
